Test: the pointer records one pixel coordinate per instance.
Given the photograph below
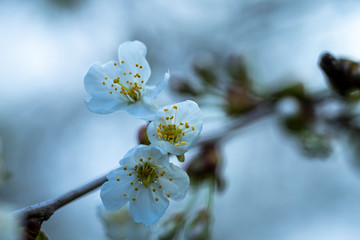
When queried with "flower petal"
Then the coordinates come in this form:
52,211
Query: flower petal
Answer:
142,110
145,209
97,84
112,191
132,157
175,181
153,90
132,53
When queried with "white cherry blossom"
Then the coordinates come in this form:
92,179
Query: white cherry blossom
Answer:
147,181
176,128
122,85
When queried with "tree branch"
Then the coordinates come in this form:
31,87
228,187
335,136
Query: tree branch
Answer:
47,208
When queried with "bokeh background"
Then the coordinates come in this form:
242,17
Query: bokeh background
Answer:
52,143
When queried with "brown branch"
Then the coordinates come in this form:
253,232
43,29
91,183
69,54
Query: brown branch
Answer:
35,214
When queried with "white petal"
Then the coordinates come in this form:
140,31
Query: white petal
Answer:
179,183
112,191
154,90
100,100
143,110
133,53
158,157
145,208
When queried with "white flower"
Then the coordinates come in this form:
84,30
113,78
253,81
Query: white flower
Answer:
9,228
120,226
146,180
176,128
122,85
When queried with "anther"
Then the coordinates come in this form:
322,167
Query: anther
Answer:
125,168
177,144
149,158
170,178
156,199
136,65
193,128
124,73
134,199
122,61
136,188
105,78
118,179
168,195
110,92
116,80
140,66
140,159
103,83
166,109
174,107
132,183
183,143
115,64
124,194
154,190
130,173
160,186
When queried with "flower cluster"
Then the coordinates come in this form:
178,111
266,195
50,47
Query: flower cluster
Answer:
145,178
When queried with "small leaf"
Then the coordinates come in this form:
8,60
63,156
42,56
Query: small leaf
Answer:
42,236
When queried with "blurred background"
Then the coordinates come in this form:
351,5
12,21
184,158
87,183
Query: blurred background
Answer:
272,187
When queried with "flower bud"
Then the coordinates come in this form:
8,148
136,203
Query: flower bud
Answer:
237,70
342,74
142,136
239,101
207,165
181,85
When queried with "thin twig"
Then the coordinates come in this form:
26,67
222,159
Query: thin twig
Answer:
47,208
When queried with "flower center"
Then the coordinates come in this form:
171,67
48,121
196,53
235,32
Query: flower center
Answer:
171,132
129,89
146,173
133,94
